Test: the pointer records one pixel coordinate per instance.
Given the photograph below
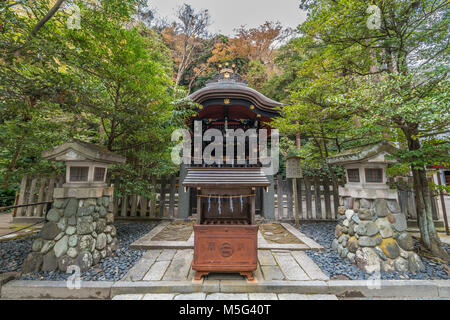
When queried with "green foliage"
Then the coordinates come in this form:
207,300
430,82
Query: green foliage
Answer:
256,75
106,83
352,85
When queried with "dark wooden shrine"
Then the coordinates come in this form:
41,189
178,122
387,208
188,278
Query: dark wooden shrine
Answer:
226,235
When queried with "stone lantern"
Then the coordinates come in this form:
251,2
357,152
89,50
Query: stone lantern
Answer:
365,170
86,163
371,229
79,227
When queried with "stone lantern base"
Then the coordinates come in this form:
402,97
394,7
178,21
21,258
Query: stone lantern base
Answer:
372,234
79,231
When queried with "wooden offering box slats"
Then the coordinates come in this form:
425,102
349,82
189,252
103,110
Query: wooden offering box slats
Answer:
225,237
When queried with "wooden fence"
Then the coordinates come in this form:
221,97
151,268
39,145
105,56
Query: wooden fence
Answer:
34,189
407,201
163,205
316,199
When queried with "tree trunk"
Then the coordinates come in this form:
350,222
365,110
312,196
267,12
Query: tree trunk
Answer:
13,162
428,234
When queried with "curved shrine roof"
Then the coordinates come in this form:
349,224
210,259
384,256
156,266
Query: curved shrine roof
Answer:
229,85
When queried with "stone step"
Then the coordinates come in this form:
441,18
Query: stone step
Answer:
225,296
411,289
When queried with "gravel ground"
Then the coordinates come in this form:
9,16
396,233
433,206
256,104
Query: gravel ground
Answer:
14,252
113,268
336,267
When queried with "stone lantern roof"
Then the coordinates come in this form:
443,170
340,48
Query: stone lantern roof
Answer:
373,152
76,150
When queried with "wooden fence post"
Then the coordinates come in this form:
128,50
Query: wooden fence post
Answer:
23,186
308,197
133,200
143,207
29,210
290,206
162,198
326,195
153,200
173,182
295,195
317,198
300,199
124,210
280,208
38,209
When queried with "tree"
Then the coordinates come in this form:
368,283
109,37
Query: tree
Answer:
185,38
107,82
253,51
30,86
395,77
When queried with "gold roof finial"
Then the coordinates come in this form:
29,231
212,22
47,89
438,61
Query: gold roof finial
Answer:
226,70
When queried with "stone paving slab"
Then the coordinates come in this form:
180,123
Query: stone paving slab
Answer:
191,296
172,264
292,296
266,258
139,270
278,286
261,239
310,267
227,296
262,296
258,273
386,288
157,270
180,265
167,255
191,274
308,241
128,297
289,266
158,296
345,289
296,296
175,231
37,289
272,273
157,229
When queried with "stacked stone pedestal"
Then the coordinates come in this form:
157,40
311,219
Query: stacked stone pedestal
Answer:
372,234
79,231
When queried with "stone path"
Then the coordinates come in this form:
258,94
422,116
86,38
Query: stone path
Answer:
175,265
225,296
175,231
276,233
7,227
294,239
